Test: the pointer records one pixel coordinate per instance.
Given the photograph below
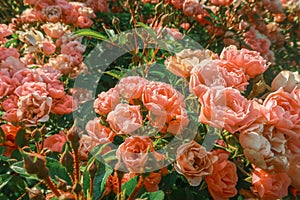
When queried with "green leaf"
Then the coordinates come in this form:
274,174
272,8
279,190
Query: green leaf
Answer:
130,185
101,176
158,195
86,182
4,179
56,169
18,167
90,33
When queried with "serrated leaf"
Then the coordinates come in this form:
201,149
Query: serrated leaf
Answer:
90,33
129,186
158,195
56,169
18,167
101,176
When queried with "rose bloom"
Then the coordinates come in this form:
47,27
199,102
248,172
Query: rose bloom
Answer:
212,73
106,101
55,142
191,7
48,47
63,106
62,62
34,108
134,153
249,61
183,62
10,132
31,15
72,47
177,121
99,133
178,3
294,171
282,110
52,13
7,52
221,2
98,5
56,90
287,80
125,118
222,182
48,74
54,30
10,107
194,162
257,41
227,108
7,86
84,22
131,87
151,181
162,97
12,64
270,186
4,31
31,87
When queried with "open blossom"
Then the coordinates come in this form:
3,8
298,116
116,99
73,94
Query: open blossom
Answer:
56,90
10,132
282,109
64,105
52,13
10,107
250,62
213,73
62,62
31,15
99,133
270,186
54,30
84,22
221,183
7,86
98,5
131,87
4,32
135,153
106,101
31,87
287,80
191,7
34,108
125,118
55,142
221,2
257,41
183,62
194,162
227,108
48,47
294,171
151,182
7,52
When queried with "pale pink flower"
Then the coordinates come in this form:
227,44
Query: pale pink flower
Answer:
64,105
30,88
31,15
84,22
106,101
125,119
54,30
99,133
55,142
62,62
287,80
52,13
56,90
7,52
7,86
48,47
13,64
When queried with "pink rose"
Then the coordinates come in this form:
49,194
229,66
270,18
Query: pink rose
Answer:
7,86
191,7
64,105
294,171
56,90
106,101
62,62
22,76
221,2
54,30
249,61
31,15
52,13
13,64
222,182
84,22
135,152
71,47
131,87
10,107
30,88
4,31
282,110
227,108
55,142
194,162
48,74
178,3
99,133
34,108
98,5
48,47
7,52
270,186
125,118
257,41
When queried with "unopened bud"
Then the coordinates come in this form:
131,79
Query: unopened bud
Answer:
67,160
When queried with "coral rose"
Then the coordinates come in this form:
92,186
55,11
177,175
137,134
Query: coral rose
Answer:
55,142
99,133
30,88
48,47
64,105
135,154
250,61
52,13
10,107
106,101
84,22
294,171
7,86
125,118
151,181
10,132
194,162
287,80
222,182
54,30
270,186
227,108
221,2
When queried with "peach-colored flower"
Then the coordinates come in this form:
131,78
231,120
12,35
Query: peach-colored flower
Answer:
30,88
64,105
4,32
98,5
131,87
294,170
48,74
48,47
22,76
71,47
13,64
178,3
151,181
194,162
227,108
54,30
99,133
221,2
183,62
106,101
270,186
31,15
282,110
250,61
191,7
125,118
159,96
222,182
34,108
7,52
7,86
55,142
52,13
62,62
10,132
135,153
56,90
286,79
84,22
177,121
10,107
